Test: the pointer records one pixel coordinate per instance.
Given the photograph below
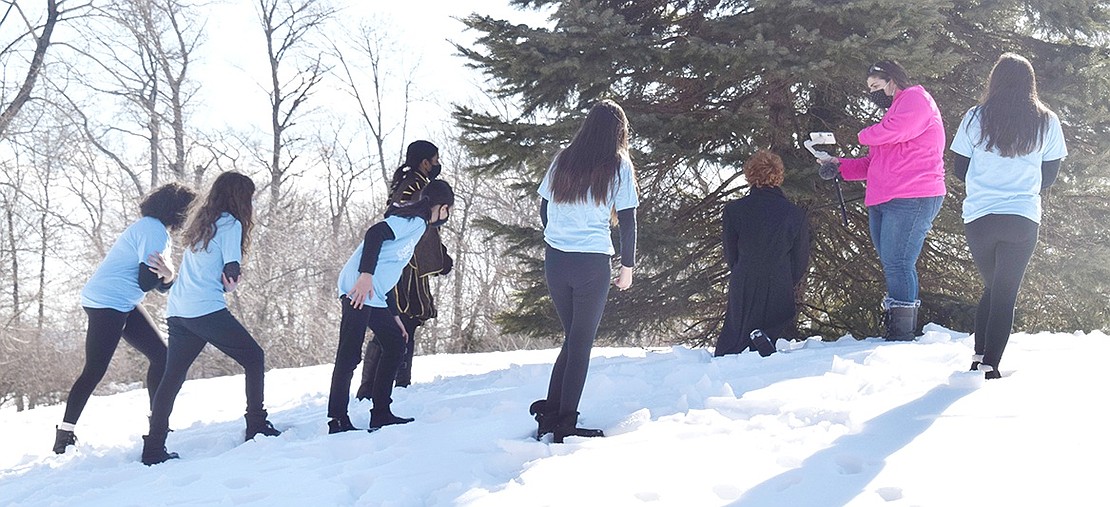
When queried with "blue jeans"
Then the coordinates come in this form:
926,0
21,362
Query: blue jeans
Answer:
898,229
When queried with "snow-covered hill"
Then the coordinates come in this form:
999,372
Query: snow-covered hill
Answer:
819,424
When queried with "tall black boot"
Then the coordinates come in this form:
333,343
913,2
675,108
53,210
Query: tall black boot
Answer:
63,439
369,369
901,322
154,449
258,425
567,426
545,418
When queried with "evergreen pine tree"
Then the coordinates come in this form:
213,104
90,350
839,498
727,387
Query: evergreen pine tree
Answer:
707,82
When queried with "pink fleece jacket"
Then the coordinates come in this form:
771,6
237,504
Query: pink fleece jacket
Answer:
905,156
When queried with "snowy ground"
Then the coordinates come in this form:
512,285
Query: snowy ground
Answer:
819,424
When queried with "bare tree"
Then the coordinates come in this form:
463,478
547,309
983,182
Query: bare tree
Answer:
288,26
344,172
372,43
142,49
40,36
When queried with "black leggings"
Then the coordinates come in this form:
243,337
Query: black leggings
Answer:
1001,246
579,285
188,336
352,334
106,326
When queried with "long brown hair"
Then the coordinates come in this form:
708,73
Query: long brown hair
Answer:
1012,118
589,167
232,193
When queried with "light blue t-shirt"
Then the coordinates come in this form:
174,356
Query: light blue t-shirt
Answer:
115,283
199,289
394,255
998,185
584,226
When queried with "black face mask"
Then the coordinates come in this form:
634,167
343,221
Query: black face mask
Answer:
441,221
434,171
881,99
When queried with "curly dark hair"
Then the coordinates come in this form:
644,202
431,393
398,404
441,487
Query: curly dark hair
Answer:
232,192
764,169
168,203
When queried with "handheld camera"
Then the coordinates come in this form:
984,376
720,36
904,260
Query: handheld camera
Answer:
830,170
816,138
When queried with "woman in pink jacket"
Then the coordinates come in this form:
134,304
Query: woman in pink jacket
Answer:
904,171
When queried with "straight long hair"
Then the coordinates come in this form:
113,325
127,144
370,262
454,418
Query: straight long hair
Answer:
1012,118
588,168
232,192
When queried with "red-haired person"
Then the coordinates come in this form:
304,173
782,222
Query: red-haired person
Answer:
766,244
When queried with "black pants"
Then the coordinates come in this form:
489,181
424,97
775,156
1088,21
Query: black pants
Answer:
188,336
1001,246
370,362
579,285
106,326
352,334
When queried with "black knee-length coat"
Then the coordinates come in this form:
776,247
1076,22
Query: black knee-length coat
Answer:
766,243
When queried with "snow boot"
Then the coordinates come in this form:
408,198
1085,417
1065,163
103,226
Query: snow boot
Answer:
154,449
975,361
901,320
566,426
63,439
762,343
383,417
258,425
544,419
990,372
340,424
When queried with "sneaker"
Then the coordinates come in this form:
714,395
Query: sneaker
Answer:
762,343
340,424
63,439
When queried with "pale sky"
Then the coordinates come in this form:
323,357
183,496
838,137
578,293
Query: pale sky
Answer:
234,54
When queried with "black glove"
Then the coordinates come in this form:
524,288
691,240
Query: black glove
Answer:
829,170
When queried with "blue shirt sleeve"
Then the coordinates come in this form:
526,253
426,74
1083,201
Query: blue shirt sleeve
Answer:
545,185
1053,147
625,196
231,242
152,237
962,143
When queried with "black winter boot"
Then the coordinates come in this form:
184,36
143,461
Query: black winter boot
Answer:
762,343
154,450
340,424
566,426
383,417
258,425
63,439
544,418
900,323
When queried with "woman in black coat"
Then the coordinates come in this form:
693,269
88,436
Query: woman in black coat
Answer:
766,243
